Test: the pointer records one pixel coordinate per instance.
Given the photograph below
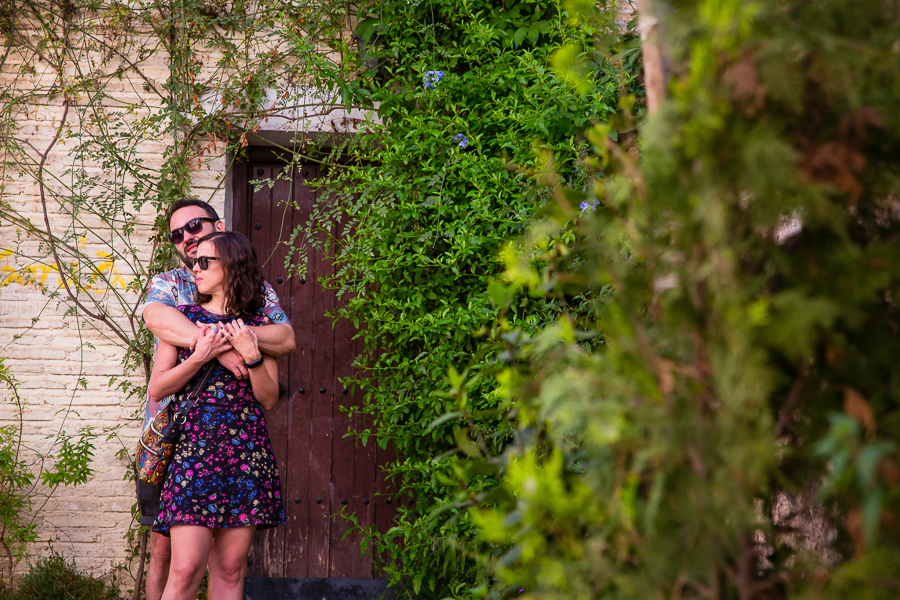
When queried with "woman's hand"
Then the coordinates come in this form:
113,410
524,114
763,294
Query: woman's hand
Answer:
263,380
243,340
210,343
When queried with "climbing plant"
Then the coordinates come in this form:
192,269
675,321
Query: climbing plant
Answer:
20,476
468,117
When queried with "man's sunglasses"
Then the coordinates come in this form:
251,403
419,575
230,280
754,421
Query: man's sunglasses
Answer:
193,227
203,261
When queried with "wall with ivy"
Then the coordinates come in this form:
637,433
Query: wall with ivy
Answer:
108,112
59,169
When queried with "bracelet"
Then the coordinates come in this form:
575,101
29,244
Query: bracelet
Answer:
255,363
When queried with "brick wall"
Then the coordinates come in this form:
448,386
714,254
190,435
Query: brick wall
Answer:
47,350
86,522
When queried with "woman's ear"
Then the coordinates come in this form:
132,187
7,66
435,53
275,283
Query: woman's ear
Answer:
219,225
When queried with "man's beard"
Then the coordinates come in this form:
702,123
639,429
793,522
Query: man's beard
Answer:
188,261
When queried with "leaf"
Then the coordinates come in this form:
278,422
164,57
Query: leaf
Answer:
455,378
520,34
857,407
871,513
868,461
443,419
500,293
461,436
366,28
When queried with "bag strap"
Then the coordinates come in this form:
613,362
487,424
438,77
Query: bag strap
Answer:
194,392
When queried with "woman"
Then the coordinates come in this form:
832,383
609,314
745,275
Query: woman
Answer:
223,480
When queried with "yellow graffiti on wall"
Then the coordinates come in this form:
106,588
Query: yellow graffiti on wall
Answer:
98,277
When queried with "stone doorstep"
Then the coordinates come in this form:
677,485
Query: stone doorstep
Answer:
289,588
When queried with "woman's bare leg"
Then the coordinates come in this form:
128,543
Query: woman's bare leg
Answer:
228,562
190,552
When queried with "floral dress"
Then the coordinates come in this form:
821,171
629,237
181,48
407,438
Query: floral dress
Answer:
223,473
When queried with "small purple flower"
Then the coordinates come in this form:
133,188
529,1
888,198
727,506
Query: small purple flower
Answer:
589,205
431,78
461,140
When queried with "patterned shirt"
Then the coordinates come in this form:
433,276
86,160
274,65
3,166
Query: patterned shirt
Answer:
177,288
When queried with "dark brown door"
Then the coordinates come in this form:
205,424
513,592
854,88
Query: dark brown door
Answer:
323,472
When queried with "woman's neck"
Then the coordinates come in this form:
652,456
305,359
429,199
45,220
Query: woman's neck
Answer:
216,304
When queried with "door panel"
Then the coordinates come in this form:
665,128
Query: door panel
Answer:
323,472
265,212
297,487
321,422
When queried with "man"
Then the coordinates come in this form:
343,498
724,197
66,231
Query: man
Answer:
189,221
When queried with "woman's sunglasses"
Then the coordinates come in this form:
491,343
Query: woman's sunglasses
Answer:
203,261
193,227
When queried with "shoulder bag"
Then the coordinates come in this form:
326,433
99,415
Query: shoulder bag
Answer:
157,443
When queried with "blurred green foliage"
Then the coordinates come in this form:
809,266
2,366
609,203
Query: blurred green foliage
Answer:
737,434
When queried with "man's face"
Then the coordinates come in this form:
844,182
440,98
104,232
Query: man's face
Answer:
187,248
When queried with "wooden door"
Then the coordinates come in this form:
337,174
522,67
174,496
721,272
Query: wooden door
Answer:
323,472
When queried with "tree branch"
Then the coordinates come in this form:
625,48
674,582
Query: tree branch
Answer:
51,240
651,49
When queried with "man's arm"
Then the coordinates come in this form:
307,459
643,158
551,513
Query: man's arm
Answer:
275,340
170,325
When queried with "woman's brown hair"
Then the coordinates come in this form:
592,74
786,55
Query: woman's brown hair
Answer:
244,283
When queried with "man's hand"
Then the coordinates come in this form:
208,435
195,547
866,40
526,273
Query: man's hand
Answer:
234,362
